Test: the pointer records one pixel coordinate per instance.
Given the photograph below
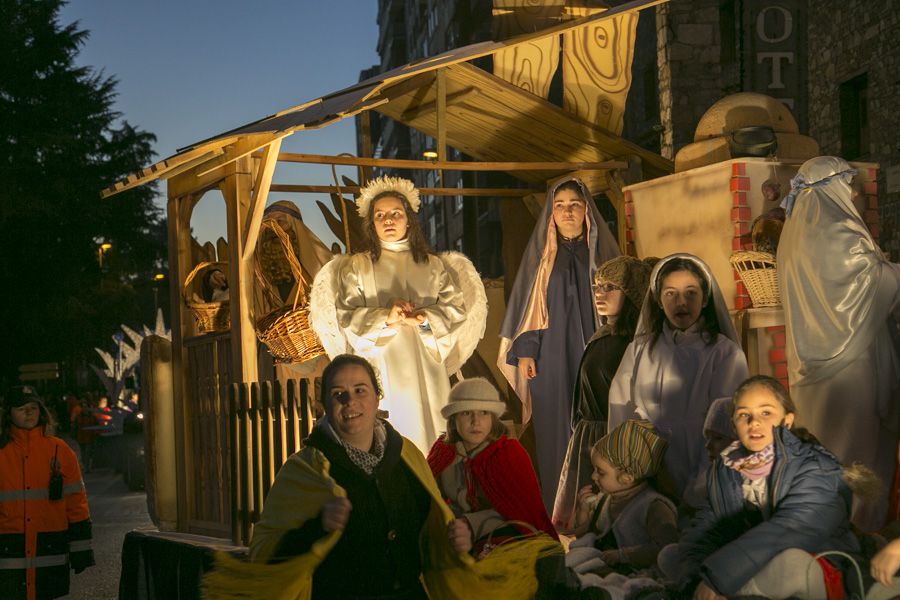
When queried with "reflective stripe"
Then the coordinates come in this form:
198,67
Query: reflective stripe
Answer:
38,494
31,563
73,488
79,545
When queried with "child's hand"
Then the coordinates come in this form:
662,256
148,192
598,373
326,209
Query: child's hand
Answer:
704,592
460,535
583,510
885,564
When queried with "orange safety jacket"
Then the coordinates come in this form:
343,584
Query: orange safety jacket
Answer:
40,537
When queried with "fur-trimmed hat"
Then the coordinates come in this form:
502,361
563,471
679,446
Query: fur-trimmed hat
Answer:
633,447
20,395
629,273
380,185
476,393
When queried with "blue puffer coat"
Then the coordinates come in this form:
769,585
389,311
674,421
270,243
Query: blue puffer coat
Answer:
810,510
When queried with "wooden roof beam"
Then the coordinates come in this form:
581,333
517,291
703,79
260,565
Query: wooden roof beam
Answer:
451,191
397,163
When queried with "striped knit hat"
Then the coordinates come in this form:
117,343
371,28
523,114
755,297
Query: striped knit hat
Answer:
633,447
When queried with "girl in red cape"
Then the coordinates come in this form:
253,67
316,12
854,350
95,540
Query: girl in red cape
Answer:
486,478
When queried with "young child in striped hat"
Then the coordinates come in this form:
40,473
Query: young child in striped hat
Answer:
628,522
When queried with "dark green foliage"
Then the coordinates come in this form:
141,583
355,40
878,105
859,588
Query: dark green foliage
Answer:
61,142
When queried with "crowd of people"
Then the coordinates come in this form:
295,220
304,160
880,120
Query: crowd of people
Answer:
663,468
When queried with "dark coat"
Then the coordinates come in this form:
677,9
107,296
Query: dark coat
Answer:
378,553
810,509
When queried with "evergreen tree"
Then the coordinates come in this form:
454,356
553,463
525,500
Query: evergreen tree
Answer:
61,142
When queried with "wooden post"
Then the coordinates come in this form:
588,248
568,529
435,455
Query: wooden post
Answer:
236,188
441,122
178,211
365,144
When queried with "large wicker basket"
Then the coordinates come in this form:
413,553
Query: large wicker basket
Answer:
210,316
760,277
287,331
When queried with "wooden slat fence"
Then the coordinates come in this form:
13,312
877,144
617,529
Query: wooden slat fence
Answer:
208,361
268,422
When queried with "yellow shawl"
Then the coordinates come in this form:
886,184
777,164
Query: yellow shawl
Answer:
507,572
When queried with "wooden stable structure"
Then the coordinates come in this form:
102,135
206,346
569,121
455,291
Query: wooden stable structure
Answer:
502,120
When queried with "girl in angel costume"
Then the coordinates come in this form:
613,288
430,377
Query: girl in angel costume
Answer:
416,316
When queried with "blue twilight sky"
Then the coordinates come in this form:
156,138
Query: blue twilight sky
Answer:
190,69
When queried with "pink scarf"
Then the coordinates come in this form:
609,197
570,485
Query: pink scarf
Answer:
752,466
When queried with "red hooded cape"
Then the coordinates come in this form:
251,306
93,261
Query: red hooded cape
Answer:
505,474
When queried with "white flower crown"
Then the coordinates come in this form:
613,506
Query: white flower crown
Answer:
379,185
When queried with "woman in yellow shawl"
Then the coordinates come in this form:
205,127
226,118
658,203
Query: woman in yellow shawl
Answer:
357,514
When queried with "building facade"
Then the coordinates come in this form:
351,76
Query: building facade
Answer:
834,63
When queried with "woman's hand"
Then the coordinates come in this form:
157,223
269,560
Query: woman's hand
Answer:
335,514
885,564
704,592
527,368
400,312
460,534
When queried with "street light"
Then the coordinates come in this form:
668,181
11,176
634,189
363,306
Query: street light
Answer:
158,278
101,250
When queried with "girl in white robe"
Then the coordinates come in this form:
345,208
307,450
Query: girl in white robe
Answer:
684,355
401,307
839,291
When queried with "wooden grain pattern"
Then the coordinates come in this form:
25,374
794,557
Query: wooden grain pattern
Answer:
597,70
505,123
529,65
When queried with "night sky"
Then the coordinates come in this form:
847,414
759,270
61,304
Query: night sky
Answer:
191,69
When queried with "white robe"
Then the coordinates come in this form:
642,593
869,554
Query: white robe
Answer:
410,360
672,386
839,291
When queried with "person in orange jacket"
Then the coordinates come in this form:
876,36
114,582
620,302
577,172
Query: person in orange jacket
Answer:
45,525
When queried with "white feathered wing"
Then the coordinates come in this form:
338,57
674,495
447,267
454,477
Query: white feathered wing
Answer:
471,331
322,311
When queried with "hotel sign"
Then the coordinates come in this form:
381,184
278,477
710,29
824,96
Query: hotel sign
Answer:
775,52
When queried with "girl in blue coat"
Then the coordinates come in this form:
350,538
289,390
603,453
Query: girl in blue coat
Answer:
776,499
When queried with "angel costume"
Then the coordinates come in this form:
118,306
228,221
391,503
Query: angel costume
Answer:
550,317
839,291
673,383
349,307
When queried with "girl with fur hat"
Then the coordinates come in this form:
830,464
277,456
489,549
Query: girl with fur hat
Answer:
630,522
619,288
685,354
776,499
401,307
486,478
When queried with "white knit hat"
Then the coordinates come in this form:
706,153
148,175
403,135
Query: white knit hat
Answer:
476,393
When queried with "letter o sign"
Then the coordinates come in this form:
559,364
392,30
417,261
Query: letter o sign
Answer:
787,24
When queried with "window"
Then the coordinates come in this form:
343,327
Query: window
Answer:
432,229
458,244
855,117
458,200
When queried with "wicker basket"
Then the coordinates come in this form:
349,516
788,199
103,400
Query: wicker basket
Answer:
760,277
210,316
287,331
